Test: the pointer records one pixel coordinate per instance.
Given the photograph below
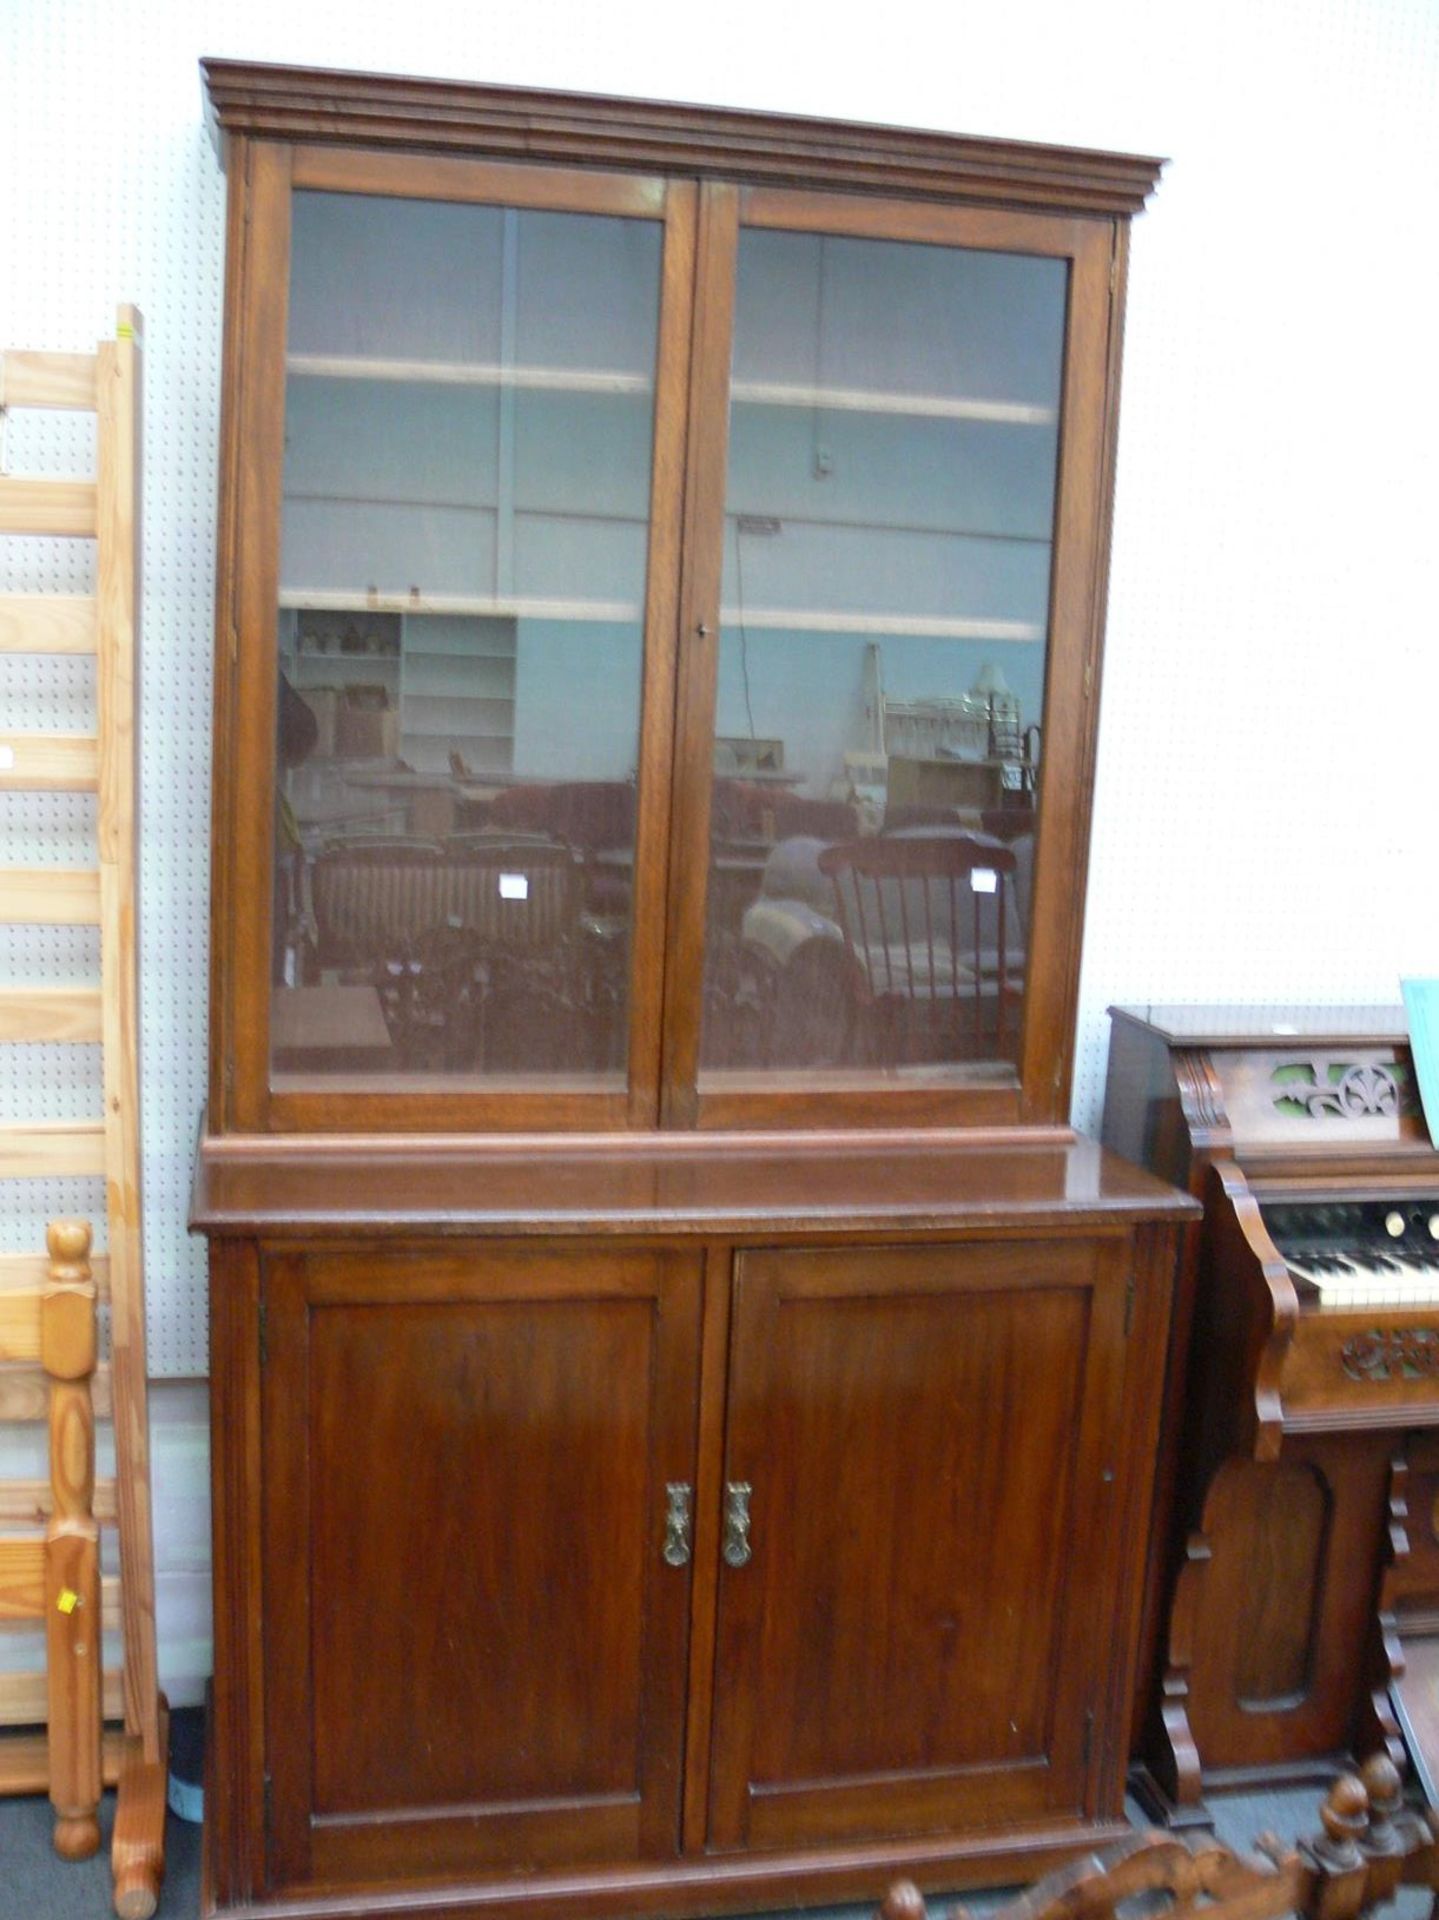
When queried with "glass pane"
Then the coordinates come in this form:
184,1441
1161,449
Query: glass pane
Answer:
894,427
469,414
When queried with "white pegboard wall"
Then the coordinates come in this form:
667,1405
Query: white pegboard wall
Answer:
1264,808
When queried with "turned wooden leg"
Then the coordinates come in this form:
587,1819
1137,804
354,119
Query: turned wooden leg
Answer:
72,1543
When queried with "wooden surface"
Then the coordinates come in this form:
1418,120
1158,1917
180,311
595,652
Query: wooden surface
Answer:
106,624
522,1370
294,103
1368,1846
47,623
44,1014
465,1343
914,1409
50,1579
57,381
784,173
47,507
661,1182
525,1412
50,896
1276,1463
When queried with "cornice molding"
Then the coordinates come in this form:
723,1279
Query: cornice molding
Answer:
312,104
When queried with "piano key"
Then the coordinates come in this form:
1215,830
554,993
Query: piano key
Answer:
1346,1282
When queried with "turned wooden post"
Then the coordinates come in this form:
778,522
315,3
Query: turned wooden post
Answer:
72,1543
1336,1867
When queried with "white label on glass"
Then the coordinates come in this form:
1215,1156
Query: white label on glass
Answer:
984,879
7,759
514,886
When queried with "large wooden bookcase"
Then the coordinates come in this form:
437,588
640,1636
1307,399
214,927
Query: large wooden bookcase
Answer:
683,1398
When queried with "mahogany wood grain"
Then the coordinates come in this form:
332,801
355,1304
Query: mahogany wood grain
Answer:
253,440
428,176
1265,1606
382,110
1071,695
709,1499
661,654
235,1723
1276,1603
464,1340
705,474
911,1408
835,1183
476,1643
919,222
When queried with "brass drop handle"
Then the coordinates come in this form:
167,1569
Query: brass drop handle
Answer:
679,1523
737,1549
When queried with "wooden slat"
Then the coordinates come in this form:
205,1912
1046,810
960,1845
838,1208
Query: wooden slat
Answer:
25,1393
20,1621
52,1150
20,1326
47,623
117,594
49,897
62,381
30,1015
25,1765
28,1502
23,1698
24,1271
22,1579
63,507
49,763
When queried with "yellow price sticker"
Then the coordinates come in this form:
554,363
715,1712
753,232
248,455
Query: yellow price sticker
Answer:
67,1602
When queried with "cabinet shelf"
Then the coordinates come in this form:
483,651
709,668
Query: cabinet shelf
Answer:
932,627
477,605
461,373
804,619
754,393
923,406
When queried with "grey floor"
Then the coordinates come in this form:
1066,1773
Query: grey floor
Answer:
35,1885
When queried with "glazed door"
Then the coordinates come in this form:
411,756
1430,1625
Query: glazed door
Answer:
919,1566
477,1579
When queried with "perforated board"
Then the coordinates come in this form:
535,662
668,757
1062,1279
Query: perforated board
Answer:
1265,809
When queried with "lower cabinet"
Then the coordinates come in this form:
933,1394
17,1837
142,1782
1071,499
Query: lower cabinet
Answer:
577,1555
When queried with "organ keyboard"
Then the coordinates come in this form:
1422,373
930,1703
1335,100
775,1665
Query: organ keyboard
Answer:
1287,1582
1361,1254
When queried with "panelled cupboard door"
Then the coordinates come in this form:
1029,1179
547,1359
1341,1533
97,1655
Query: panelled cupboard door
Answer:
475,1612
922,1441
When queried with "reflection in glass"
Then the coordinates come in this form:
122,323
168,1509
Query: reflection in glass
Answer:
469,414
888,527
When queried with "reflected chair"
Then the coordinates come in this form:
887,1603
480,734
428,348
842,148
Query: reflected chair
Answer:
925,918
470,943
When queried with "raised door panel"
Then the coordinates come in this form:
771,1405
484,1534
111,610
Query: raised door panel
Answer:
928,1435
475,1647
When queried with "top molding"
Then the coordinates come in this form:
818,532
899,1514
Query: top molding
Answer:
380,110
